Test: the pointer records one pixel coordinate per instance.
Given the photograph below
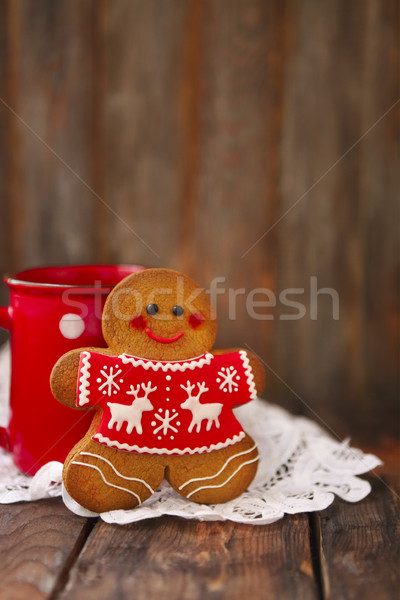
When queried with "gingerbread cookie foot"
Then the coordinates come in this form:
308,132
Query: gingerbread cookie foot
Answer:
215,477
95,478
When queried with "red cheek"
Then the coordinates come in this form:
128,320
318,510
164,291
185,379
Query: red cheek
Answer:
138,323
195,320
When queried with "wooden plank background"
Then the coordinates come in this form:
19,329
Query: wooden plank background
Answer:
200,123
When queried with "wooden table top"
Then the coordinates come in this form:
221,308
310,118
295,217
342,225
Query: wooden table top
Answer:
345,551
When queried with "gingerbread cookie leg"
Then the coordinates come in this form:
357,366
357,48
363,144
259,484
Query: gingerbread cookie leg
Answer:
214,477
101,478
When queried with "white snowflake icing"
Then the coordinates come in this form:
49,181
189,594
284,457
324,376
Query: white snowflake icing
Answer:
165,419
228,375
109,384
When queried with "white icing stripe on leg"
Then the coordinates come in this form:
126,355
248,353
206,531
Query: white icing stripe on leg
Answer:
116,470
82,464
206,487
221,469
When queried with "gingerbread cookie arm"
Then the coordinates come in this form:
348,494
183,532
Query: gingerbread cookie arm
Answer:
63,378
255,364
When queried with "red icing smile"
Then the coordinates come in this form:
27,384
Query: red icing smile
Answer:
163,340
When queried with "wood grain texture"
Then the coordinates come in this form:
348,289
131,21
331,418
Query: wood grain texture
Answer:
37,542
201,124
360,543
320,68
170,558
53,100
331,102
5,233
379,187
241,75
142,61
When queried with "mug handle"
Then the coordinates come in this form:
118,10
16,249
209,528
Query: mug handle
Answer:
5,323
5,317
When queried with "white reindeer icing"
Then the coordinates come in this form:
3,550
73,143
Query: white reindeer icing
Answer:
131,413
200,412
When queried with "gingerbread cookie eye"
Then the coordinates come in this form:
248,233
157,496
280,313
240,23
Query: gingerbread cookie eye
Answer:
177,311
152,309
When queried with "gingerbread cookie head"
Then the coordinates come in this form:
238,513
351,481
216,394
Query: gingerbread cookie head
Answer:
159,314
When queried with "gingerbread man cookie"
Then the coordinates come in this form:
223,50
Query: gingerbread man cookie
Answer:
162,400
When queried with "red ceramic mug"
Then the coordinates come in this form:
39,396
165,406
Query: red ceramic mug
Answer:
52,310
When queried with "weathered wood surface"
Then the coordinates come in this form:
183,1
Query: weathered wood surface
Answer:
342,231
170,558
200,124
38,542
53,97
359,544
6,250
348,551
360,547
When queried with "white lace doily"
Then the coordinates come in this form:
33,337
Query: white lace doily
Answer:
301,469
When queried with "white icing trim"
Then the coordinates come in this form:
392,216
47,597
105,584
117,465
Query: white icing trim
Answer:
116,470
206,487
221,469
82,464
84,383
165,366
145,450
249,374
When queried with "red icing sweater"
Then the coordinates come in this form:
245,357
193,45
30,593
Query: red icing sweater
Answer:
154,407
